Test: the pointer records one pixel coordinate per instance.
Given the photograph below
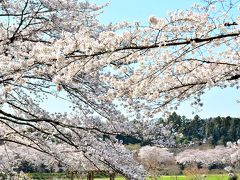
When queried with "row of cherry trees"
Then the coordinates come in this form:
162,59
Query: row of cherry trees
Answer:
109,74
157,160
218,157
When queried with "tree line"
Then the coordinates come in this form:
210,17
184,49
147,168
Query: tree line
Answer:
213,130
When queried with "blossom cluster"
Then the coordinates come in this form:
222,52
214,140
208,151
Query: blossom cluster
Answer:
109,74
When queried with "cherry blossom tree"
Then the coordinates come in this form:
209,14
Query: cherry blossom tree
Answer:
220,155
109,74
27,29
156,159
12,155
205,158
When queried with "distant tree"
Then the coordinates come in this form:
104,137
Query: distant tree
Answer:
26,167
175,120
216,158
156,160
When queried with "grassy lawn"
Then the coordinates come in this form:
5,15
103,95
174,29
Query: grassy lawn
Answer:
197,177
209,177
59,176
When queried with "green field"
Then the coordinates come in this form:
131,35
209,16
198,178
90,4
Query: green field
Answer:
39,176
209,177
63,176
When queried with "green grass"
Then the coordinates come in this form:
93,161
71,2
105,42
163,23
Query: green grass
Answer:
195,177
60,176
41,176
181,177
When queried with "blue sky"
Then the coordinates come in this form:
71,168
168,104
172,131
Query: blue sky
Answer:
139,10
217,102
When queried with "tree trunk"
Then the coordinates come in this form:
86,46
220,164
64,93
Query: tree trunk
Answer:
71,176
90,175
112,176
